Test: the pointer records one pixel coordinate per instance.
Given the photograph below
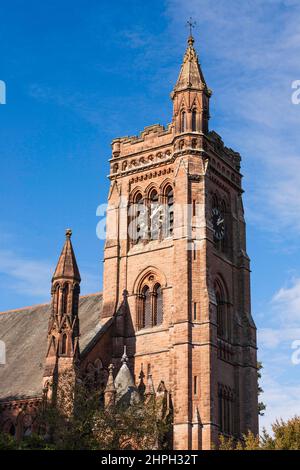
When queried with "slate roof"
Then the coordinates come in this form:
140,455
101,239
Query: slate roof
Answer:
24,332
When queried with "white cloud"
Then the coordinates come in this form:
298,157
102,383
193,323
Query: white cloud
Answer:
32,277
282,401
253,62
25,276
287,303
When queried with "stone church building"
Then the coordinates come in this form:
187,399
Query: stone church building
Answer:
176,286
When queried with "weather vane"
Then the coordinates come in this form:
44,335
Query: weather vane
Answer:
191,24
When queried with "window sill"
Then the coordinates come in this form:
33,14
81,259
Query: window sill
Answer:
151,329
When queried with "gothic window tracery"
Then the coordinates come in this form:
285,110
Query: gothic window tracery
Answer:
152,217
150,304
223,312
226,410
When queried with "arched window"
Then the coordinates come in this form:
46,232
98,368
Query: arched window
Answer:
223,313
194,120
64,344
154,216
150,304
157,305
183,122
226,405
65,298
136,219
169,221
147,310
56,299
76,292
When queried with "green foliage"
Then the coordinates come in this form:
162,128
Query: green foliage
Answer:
7,442
286,436
261,406
87,425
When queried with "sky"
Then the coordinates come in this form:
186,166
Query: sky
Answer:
79,74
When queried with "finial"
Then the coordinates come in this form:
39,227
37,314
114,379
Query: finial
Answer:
124,359
68,233
191,24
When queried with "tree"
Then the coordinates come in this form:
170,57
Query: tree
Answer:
78,420
261,405
286,436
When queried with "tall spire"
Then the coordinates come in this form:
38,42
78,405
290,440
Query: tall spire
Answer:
67,266
63,352
191,76
191,94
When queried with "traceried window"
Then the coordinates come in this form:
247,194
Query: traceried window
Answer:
151,217
150,305
226,404
223,312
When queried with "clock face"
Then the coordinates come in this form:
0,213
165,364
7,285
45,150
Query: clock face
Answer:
218,224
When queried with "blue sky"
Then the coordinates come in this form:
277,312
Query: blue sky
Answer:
79,74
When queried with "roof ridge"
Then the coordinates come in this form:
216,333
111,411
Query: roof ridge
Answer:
21,309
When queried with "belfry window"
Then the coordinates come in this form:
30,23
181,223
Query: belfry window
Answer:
169,220
136,220
154,216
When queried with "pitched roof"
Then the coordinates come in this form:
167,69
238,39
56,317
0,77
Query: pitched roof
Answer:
190,76
67,265
24,332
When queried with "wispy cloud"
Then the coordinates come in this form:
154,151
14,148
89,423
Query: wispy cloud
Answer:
280,376
282,400
253,62
32,277
25,276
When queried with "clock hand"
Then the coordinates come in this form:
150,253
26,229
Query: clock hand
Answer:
220,221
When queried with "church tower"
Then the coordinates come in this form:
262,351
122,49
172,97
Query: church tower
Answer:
176,244
63,329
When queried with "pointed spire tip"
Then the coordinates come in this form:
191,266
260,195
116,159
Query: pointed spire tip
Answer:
68,233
